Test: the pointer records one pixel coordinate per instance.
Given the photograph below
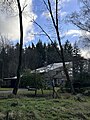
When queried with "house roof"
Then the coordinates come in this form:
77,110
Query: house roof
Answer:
50,67
11,78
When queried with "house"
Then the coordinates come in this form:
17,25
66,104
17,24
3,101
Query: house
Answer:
9,82
54,73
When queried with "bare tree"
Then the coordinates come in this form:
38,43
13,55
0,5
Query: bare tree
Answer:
20,49
55,21
8,5
4,42
81,19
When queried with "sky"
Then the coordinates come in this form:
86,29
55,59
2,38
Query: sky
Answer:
35,9
67,30
9,23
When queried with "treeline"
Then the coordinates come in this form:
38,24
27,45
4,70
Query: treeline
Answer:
36,56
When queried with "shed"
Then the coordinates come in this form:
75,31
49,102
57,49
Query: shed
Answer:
9,82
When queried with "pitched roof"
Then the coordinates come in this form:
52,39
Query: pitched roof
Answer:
50,67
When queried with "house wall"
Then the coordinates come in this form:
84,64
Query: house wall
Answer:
8,82
57,75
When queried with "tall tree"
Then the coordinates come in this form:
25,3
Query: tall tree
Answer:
4,46
78,63
40,53
5,61
52,55
55,22
8,4
12,61
68,51
20,50
30,57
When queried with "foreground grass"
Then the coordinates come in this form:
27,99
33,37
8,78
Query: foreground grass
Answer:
64,108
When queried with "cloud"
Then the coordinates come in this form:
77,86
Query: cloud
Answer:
66,0
9,22
61,3
74,32
84,45
46,14
85,53
63,14
77,33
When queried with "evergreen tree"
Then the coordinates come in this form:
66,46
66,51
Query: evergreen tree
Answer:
78,63
52,55
12,64
5,61
68,51
40,54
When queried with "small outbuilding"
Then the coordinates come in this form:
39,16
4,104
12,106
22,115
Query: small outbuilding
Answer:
9,82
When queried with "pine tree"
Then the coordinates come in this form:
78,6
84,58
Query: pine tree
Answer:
68,51
77,63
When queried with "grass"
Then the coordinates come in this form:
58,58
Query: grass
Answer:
41,108
5,89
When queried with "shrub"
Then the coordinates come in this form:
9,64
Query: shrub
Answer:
87,93
33,80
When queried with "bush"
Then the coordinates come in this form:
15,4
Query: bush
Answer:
83,80
32,80
87,93
80,81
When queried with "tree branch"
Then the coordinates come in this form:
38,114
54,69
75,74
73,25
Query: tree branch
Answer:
57,13
46,5
50,10
47,36
24,8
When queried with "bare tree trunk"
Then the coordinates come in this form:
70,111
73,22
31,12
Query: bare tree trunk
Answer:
53,95
20,49
36,92
64,66
55,23
42,90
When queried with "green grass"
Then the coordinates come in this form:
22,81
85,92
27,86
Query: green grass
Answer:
26,92
64,108
5,89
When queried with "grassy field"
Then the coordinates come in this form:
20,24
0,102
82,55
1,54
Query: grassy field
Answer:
24,107
5,89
